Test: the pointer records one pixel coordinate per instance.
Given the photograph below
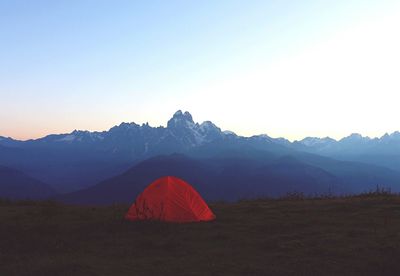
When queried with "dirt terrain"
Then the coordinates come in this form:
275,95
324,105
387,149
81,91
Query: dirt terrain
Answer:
290,236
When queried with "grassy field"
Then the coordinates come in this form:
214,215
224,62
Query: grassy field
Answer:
337,236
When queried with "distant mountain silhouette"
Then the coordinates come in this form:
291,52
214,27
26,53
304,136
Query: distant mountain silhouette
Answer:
80,159
384,151
236,178
16,185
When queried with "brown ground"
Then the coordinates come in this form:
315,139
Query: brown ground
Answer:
342,236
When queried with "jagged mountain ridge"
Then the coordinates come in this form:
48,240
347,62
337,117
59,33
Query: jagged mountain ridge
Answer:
183,133
355,142
82,158
383,151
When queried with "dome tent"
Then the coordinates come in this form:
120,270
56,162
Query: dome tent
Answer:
170,199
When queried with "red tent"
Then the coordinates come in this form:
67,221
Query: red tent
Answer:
170,199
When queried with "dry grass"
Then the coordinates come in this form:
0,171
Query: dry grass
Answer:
291,236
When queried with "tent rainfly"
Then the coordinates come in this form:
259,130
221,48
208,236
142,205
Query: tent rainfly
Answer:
170,199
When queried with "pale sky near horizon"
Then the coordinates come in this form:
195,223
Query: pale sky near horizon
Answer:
285,68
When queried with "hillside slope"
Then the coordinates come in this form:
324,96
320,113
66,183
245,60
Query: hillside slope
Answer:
17,185
234,178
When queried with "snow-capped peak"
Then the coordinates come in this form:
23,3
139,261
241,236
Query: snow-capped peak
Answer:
312,141
355,137
395,135
208,126
184,116
180,119
228,132
263,136
177,113
67,138
390,137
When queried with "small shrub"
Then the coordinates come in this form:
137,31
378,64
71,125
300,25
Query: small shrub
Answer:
378,192
294,196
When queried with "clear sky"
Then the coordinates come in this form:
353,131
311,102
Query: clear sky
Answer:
285,68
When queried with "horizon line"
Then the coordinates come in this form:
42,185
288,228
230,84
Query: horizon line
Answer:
236,133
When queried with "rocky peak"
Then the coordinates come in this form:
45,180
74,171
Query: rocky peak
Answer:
180,119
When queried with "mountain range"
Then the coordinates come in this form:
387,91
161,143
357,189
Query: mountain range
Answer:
231,179
222,165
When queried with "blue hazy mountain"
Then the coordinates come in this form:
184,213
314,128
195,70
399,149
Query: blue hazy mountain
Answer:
238,178
81,159
215,179
383,151
16,185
